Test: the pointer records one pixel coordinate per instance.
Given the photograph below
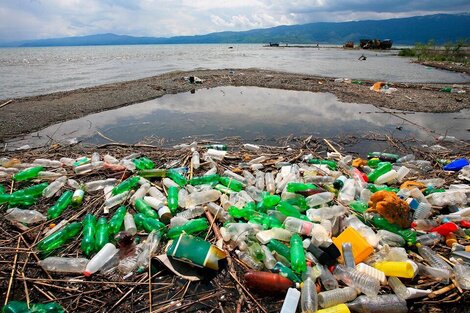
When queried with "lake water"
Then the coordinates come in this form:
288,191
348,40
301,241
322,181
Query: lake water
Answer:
256,114
33,71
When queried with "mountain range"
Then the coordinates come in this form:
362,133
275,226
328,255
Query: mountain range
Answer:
441,28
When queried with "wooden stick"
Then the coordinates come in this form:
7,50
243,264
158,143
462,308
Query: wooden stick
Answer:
26,291
441,291
332,148
12,272
4,104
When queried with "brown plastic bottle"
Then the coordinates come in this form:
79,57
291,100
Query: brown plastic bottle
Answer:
267,283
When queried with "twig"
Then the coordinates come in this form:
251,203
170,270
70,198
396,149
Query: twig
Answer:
12,273
5,103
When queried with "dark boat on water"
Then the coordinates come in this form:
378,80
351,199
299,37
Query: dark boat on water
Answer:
375,44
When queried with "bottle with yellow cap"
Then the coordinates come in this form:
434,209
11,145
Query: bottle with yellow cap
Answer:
398,269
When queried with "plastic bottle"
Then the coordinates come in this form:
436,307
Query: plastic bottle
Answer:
60,237
151,224
266,236
140,193
126,185
334,297
28,174
99,184
129,224
54,187
148,249
77,198
297,254
177,177
269,260
406,158
116,221
429,239
327,279
231,183
64,265
368,233
205,180
97,262
267,283
462,276
33,191
391,157
23,307
351,277
89,230
391,239
291,301
102,233
269,181
382,303
348,192
371,271
198,198
348,255
288,209
308,294
320,198
387,177
398,269
24,216
317,215
191,227
116,200
433,260
142,207
381,169
61,204
218,212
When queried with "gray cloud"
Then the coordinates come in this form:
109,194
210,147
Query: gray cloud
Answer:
32,19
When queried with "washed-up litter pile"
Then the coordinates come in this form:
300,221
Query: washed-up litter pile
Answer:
247,229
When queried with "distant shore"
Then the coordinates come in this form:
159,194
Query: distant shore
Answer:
29,114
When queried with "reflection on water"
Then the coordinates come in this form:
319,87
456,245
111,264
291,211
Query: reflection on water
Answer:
252,113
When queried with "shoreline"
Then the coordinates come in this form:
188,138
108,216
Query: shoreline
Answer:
29,114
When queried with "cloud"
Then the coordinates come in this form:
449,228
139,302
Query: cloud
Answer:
32,19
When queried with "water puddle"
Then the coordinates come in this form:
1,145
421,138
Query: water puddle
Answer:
252,113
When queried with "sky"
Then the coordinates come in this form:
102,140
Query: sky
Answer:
36,19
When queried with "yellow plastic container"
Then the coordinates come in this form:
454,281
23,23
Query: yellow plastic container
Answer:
360,247
398,269
340,308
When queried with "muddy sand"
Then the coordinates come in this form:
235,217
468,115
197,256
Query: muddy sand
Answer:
25,115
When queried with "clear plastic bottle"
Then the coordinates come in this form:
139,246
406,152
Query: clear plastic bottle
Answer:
383,304
348,192
197,198
24,216
317,215
47,163
275,233
249,260
218,212
269,260
391,239
140,193
327,279
431,257
308,295
195,160
148,249
333,297
462,276
348,255
429,239
99,184
54,187
406,158
117,199
105,254
365,231
423,211
319,198
64,265
398,287
269,181
373,272
351,277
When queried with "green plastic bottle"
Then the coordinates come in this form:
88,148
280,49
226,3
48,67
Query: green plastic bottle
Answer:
299,202
358,206
374,188
22,307
28,174
331,164
296,187
116,221
297,254
222,147
270,201
15,200
381,169
126,185
203,180
142,207
177,177
33,191
255,250
89,230
151,224
279,247
373,163
60,237
286,272
231,183
245,213
81,161
390,157
102,233
191,227
139,220
62,203
288,209
154,173
408,235
2,189
173,198
143,163
77,198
